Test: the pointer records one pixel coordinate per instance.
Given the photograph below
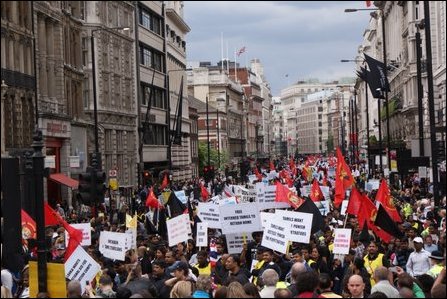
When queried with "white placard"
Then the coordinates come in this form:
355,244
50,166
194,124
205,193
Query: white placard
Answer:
181,196
275,235
75,161
252,178
326,192
344,206
202,234
265,217
305,190
265,197
81,266
86,234
187,223
235,242
240,218
227,201
209,212
372,185
342,240
299,225
422,171
132,240
177,230
323,206
113,245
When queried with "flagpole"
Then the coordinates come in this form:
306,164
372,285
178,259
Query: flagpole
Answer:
221,51
235,63
228,65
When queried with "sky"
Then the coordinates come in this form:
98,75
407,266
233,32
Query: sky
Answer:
294,40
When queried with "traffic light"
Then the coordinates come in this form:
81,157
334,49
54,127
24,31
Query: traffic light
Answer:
206,172
212,172
85,190
147,176
99,187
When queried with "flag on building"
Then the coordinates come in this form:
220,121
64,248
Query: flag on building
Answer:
240,51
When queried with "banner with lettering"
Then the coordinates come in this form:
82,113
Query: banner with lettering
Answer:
209,212
81,266
275,235
299,225
235,242
265,197
202,234
177,230
342,240
86,234
113,245
240,218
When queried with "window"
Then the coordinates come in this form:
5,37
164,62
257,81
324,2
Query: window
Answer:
146,57
85,92
155,135
145,19
85,51
157,95
150,21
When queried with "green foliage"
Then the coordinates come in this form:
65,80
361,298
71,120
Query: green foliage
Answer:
203,157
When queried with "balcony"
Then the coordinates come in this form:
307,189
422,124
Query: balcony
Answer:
17,79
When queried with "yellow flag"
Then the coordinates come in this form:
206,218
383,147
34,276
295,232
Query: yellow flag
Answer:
131,222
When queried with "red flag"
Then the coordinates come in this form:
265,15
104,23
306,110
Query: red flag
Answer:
343,178
367,212
315,192
289,181
325,183
165,182
28,226
384,197
75,235
258,175
152,201
272,167
368,3
343,171
386,237
355,202
204,192
283,194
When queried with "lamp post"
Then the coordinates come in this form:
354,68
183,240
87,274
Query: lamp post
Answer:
385,91
96,158
208,131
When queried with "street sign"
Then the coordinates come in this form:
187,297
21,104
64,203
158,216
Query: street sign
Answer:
113,173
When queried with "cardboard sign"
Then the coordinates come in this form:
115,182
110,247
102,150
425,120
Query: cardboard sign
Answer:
113,245
342,240
299,225
181,196
235,242
86,234
275,235
81,266
240,218
265,218
202,234
177,230
209,212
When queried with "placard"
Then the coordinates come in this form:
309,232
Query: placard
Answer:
181,196
372,185
113,245
202,234
235,242
86,234
344,206
265,197
422,171
275,235
299,225
265,217
240,218
177,230
342,240
81,266
209,212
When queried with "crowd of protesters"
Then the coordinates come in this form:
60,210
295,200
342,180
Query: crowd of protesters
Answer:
412,266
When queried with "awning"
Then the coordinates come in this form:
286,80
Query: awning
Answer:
64,180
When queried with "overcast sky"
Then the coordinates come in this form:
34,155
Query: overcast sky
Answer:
300,38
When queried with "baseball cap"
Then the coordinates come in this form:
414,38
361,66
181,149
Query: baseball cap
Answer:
437,255
418,240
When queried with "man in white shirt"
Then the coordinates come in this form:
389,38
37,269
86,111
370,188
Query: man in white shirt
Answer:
418,261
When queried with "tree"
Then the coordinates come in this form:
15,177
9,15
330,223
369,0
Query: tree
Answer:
330,143
203,157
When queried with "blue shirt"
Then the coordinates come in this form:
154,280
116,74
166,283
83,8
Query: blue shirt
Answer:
200,294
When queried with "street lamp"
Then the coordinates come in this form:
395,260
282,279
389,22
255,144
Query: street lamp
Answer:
96,160
348,10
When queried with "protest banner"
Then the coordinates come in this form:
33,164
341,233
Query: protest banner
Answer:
227,201
240,218
86,234
113,245
275,235
342,240
265,197
209,212
81,266
372,185
235,242
299,225
202,234
265,217
177,230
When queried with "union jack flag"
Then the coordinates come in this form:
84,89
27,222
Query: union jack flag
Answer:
214,257
241,50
